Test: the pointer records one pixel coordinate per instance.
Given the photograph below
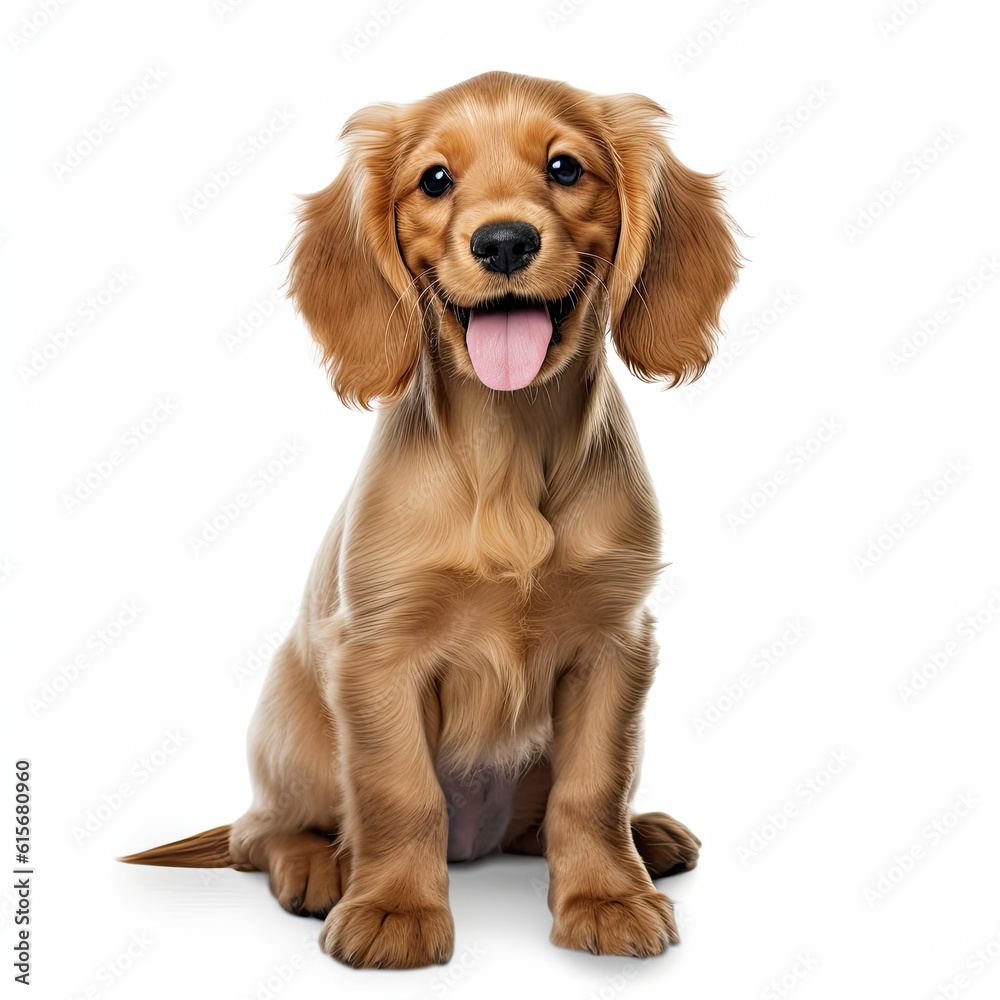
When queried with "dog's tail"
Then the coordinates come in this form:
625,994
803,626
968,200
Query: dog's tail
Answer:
204,850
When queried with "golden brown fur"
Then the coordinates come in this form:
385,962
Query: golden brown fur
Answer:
475,617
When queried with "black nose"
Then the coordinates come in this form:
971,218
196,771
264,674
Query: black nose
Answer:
505,247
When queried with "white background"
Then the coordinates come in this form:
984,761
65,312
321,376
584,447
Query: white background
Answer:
163,708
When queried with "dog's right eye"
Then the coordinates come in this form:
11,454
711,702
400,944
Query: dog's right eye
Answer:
435,181
565,170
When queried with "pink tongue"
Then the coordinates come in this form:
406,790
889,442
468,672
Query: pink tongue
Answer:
508,348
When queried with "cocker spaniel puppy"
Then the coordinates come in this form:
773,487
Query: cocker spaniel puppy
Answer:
472,656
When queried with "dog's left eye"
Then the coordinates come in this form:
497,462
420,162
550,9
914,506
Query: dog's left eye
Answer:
565,170
435,181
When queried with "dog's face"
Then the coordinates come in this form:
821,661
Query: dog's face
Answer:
509,216
506,210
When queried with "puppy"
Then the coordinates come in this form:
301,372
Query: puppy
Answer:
472,656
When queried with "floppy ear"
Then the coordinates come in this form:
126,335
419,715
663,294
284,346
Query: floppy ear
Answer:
347,275
676,259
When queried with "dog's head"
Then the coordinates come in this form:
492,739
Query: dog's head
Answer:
508,209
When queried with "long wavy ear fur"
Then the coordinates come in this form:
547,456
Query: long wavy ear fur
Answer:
347,275
676,259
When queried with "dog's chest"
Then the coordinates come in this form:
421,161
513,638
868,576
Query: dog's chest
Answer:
495,678
501,650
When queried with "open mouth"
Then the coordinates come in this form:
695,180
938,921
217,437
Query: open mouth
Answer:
508,338
557,309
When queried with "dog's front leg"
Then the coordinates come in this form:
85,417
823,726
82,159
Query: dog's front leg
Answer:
600,894
394,913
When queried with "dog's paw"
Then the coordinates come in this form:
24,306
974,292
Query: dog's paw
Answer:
666,845
369,935
641,925
305,874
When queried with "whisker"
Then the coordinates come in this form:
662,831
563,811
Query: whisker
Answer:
399,298
635,285
406,329
430,286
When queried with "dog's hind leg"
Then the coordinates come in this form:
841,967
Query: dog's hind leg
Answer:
291,829
666,846
525,834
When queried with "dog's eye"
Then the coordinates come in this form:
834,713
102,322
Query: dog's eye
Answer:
435,181
565,170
